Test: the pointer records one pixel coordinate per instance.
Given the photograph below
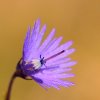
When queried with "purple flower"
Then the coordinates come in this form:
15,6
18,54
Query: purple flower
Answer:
46,62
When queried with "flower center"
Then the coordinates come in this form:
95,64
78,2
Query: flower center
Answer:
32,65
36,63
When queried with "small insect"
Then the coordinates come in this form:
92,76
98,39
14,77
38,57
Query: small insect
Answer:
42,61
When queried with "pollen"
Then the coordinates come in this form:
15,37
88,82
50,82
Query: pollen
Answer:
36,63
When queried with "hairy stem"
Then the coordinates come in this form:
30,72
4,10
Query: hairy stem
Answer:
10,86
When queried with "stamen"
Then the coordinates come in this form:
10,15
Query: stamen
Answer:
54,55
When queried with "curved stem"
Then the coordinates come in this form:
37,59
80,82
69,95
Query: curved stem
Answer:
10,86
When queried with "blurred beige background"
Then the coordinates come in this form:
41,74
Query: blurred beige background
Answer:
77,20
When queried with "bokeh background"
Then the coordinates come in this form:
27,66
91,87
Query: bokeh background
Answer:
77,20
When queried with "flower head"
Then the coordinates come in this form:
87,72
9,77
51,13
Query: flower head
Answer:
46,62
